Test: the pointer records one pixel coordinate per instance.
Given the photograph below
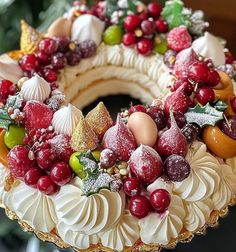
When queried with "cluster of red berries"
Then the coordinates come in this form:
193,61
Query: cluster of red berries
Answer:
53,54
141,28
6,88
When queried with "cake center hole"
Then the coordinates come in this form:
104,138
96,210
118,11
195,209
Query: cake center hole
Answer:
114,104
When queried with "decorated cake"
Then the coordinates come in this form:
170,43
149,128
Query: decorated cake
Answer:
162,172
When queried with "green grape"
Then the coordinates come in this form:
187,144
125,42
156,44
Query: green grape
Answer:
14,136
76,166
113,35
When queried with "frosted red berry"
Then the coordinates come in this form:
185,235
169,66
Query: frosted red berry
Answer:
44,58
73,57
87,48
129,39
46,185
29,62
132,187
6,88
229,128
131,22
50,75
48,46
233,103
190,131
148,27
107,158
61,173
154,9
198,72
179,118
176,168
139,206
145,46
32,176
137,108
161,26
160,200
62,44
205,95
45,158
158,115
58,61
213,78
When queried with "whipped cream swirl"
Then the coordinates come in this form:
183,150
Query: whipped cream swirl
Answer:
3,173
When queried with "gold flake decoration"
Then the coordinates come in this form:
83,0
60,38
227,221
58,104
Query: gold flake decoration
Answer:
83,137
30,38
15,55
99,119
9,182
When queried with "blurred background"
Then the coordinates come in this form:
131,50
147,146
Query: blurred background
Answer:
40,13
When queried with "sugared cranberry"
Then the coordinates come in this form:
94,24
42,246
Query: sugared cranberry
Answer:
198,72
213,78
131,22
6,88
233,103
158,115
61,173
137,108
132,187
188,88
29,62
48,46
87,48
229,128
32,176
148,27
154,9
73,57
139,206
129,39
58,61
46,185
161,26
50,75
145,46
176,168
143,15
62,44
44,58
179,118
160,200
190,131
45,158
107,158
205,95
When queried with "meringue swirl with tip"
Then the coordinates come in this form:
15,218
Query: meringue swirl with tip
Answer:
3,173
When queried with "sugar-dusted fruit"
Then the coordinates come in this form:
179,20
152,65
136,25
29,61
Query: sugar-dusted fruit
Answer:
145,164
139,206
45,158
132,187
120,140
61,173
107,158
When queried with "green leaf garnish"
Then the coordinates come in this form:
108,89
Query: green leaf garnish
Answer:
220,105
5,119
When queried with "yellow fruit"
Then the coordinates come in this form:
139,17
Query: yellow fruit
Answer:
76,166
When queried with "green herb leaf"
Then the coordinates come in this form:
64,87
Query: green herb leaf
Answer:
220,105
14,102
203,115
132,6
111,7
89,162
5,119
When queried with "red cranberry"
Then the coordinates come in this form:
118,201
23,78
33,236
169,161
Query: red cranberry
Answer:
62,44
6,88
179,118
139,206
233,103
160,200
137,108
48,46
190,131
159,117
143,15
32,177
29,62
148,27
46,185
129,39
131,22
188,88
44,58
229,128
154,9
132,187
107,158
45,158
58,61
198,72
205,95
73,57
213,78
145,46
161,26
176,168
50,75
61,173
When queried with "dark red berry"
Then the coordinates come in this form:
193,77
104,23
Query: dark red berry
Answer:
190,131
87,48
143,16
213,78
46,185
137,108
154,9
50,75
161,26
229,127
73,57
131,22
145,46
148,27
179,118
160,200
45,158
159,117
233,103
62,44
139,206
129,39
107,158
61,173
229,58
48,46
176,168
132,187
198,72
169,58
6,88
44,58
32,176
205,95
188,87
29,62
58,61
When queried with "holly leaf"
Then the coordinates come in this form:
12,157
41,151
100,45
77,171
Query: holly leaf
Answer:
204,115
132,6
89,162
111,6
220,105
14,101
5,119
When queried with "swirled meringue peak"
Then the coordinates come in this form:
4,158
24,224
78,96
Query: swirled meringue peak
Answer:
87,27
209,46
204,178
36,88
3,173
66,119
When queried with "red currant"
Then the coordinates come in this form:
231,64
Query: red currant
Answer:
148,27
43,58
205,95
32,177
137,108
45,158
107,158
48,46
131,22
161,26
143,15
213,78
233,103
129,39
139,206
61,173
63,44
154,9
6,88
198,72
132,187
145,46
29,62
73,57
46,185
160,200
58,61
50,75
